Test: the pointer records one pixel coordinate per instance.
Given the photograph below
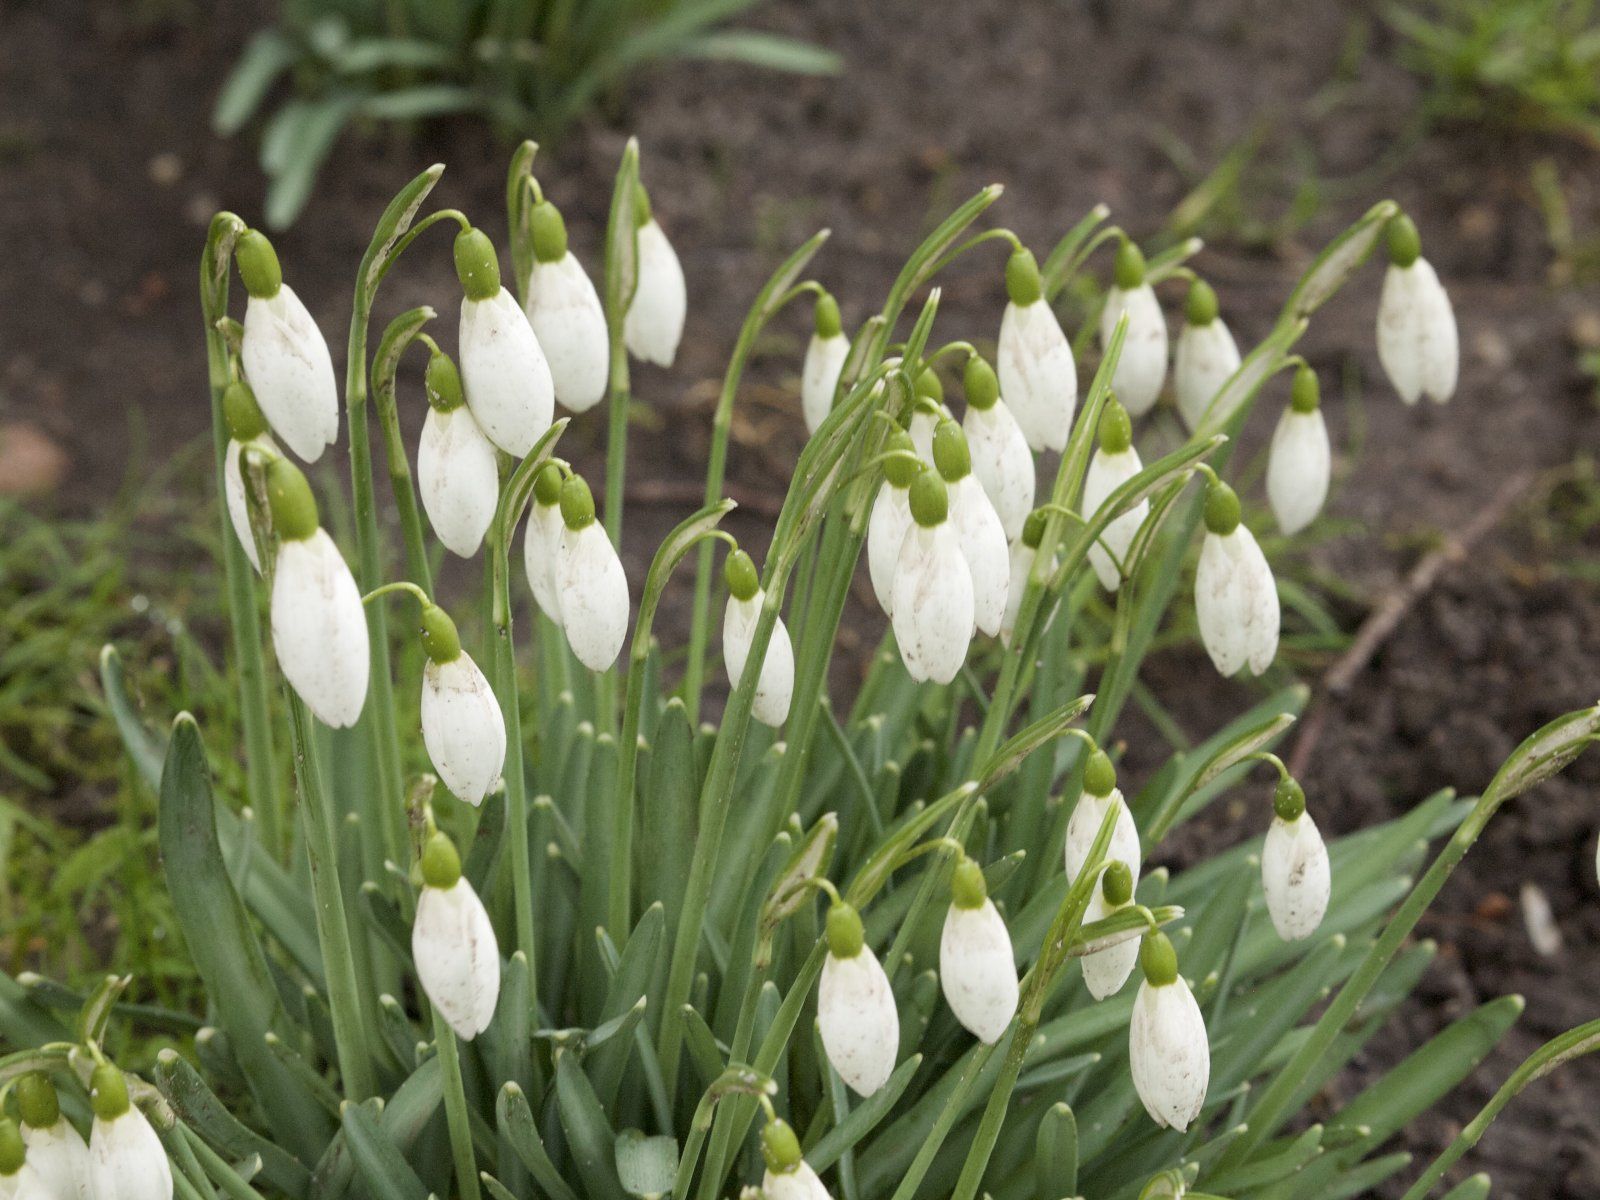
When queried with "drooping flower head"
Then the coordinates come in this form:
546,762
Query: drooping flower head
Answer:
458,471
504,373
788,1175
57,1153
453,945
856,1013
1114,463
1206,357
1418,343
1023,553
977,526
1295,873
565,312
1168,1052
247,427
284,354
1000,456
462,725
1235,596
933,612
1038,376
977,966
590,585
927,410
775,685
17,1176
891,516
1099,796
824,363
1300,461
126,1159
1142,367
654,324
1107,969
543,539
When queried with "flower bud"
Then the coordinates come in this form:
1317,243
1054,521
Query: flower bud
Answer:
1090,813
788,1175
1142,366
458,470
1107,969
452,943
565,313
891,518
247,429
504,372
1113,464
999,450
977,526
1235,595
856,1012
126,1159
1038,377
462,725
1295,873
1418,343
1168,1052
543,539
57,1154
934,606
285,356
1300,462
977,966
17,1177
824,364
1206,356
591,588
654,323
775,685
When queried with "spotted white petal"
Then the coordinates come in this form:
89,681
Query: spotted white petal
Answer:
1143,364
775,686
1022,556
819,377
458,475
462,727
1296,877
1168,1053
1417,339
1084,825
564,311
1205,359
983,543
934,608
977,970
1236,602
126,1161
1106,970
456,956
540,543
233,489
1002,462
593,594
799,1184
1106,473
286,360
59,1159
1298,468
654,324
504,373
858,1021
886,534
319,630
1038,377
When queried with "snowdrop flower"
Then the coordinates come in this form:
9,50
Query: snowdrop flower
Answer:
927,411
1023,553
788,1175
1000,456
566,316
1038,376
855,1006
983,540
977,967
504,372
1417,339
824,363
284,354
57,1153
1113,464
891,517
590,585
1100,795
1235,596
247,429
775,685
654,324
462,725
319,630
458,471
1295,874
126,1160
18,1179
1300,461
453,944
1105,971
1143,364
543,539
1206,357
934,609
1167,1048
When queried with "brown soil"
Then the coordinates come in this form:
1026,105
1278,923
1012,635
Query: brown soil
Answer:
108,173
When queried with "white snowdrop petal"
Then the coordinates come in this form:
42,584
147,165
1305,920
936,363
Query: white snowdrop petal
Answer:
1003,463
126,1160
859,1023
458,476
1168,1053
977,970
59,1159
504,373
1299,466
286,361
819,377
565,313
456,956
1143,364
933,610
983,543
1418,343
593,594
1038,376
1106,970
1106,473
540,543
799,1184
462,727
886,534
775,686
654,324
1084,825
233,490
319,629
1022,556
1206,358
1236,602
923,423
1295,876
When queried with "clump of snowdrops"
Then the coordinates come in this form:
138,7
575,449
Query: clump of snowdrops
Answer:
574,943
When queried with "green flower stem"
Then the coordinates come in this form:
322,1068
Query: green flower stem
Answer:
399,335
777,291
266,798
455,1109
621,278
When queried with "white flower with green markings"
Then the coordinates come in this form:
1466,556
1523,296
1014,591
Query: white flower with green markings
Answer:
542,540
1038,376
458,469
977,526
591,587
504,372
1107,969
1142,366
1000,456
1114,463
453,945
1168,1052
247,430
565,312
18,1179
653,326
1300,461
788,1176
1418,343
934,610
1295,872
57,1153
1099,796
462,725
891,517
775,684
1206,356
977,966
1024,551
126,1159
928,409
1235,595
856,1013
824,363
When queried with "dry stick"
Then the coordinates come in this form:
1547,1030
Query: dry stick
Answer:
1385,618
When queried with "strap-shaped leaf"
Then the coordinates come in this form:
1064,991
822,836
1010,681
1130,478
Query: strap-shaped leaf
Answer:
198,1107
377,1159
517,1125
590,1138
